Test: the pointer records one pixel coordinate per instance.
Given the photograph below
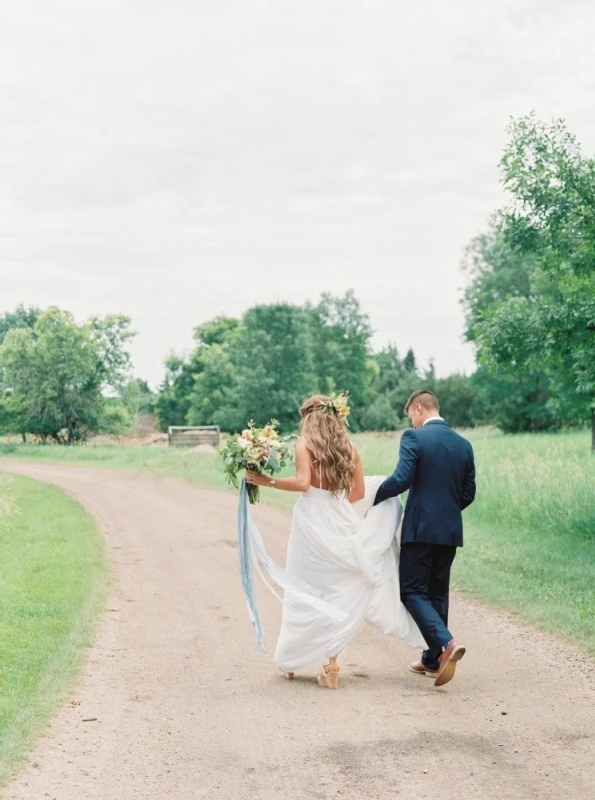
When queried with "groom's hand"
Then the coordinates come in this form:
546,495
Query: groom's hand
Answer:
402,477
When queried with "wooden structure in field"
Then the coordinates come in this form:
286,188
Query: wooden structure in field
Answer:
193,435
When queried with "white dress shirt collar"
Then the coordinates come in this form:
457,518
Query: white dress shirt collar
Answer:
431,419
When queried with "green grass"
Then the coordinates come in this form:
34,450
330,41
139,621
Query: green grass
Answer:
52,585
530,535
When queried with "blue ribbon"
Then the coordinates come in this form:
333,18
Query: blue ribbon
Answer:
252,554
245,563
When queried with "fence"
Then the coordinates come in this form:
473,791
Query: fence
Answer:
192,435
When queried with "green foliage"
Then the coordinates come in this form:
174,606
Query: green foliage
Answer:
56,372
116,418
146,400
380,415
173,400
274,360
409,363
212,399
267,363
515,403
341,333
531,306
21,317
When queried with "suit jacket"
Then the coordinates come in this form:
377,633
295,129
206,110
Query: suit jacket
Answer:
436,465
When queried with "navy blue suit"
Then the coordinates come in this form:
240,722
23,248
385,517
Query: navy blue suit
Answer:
437,466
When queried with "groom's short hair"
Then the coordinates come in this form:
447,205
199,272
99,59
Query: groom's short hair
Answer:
425,398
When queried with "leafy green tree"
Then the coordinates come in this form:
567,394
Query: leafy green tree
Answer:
173,399
214,398
221,330
146,401
185,398
274,361
409,363
516,403
341,335
116,418
380,415
551,220
384,408
457,400
499,270
21,317
57,372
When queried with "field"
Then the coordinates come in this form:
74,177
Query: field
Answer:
530,535
52,585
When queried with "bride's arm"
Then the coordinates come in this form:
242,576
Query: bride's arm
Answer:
303,473
358,490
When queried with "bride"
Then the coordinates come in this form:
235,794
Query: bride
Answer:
340,545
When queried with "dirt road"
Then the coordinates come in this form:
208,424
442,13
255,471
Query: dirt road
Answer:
188,708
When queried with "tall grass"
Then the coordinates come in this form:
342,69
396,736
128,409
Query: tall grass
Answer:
531,532
52,584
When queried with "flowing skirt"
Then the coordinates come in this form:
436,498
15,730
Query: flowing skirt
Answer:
348,554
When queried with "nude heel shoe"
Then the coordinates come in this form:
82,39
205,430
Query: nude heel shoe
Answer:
329,676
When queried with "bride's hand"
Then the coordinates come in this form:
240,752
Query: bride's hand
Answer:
255,478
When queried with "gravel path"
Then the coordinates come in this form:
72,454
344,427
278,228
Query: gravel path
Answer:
183,705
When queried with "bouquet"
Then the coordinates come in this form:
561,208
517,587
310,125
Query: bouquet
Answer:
256,449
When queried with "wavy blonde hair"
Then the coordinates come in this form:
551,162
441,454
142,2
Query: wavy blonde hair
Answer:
327,440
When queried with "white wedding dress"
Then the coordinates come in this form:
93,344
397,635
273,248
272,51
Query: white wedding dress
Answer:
348,555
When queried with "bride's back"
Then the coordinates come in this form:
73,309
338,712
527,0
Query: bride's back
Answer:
325,436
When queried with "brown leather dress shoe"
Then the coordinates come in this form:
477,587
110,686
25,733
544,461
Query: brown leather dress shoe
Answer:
420,669
448,662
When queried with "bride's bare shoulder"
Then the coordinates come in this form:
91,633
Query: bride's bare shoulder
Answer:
301,446
302,452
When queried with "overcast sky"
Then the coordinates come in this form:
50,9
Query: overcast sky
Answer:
177,160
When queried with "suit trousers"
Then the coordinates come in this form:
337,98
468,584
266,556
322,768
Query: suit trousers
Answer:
424,572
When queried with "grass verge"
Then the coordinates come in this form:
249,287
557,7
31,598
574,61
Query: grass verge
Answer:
52,586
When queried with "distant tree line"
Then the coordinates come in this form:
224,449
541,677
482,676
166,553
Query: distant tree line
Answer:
266,363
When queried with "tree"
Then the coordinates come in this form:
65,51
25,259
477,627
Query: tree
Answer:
498,270
409,361
21,317
551,219
341,339
213,400
457,400
146,397
58,371
274,361
380,415
173,399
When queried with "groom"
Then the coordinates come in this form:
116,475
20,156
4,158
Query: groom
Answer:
436,465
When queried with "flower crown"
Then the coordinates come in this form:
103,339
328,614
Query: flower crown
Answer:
338,405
